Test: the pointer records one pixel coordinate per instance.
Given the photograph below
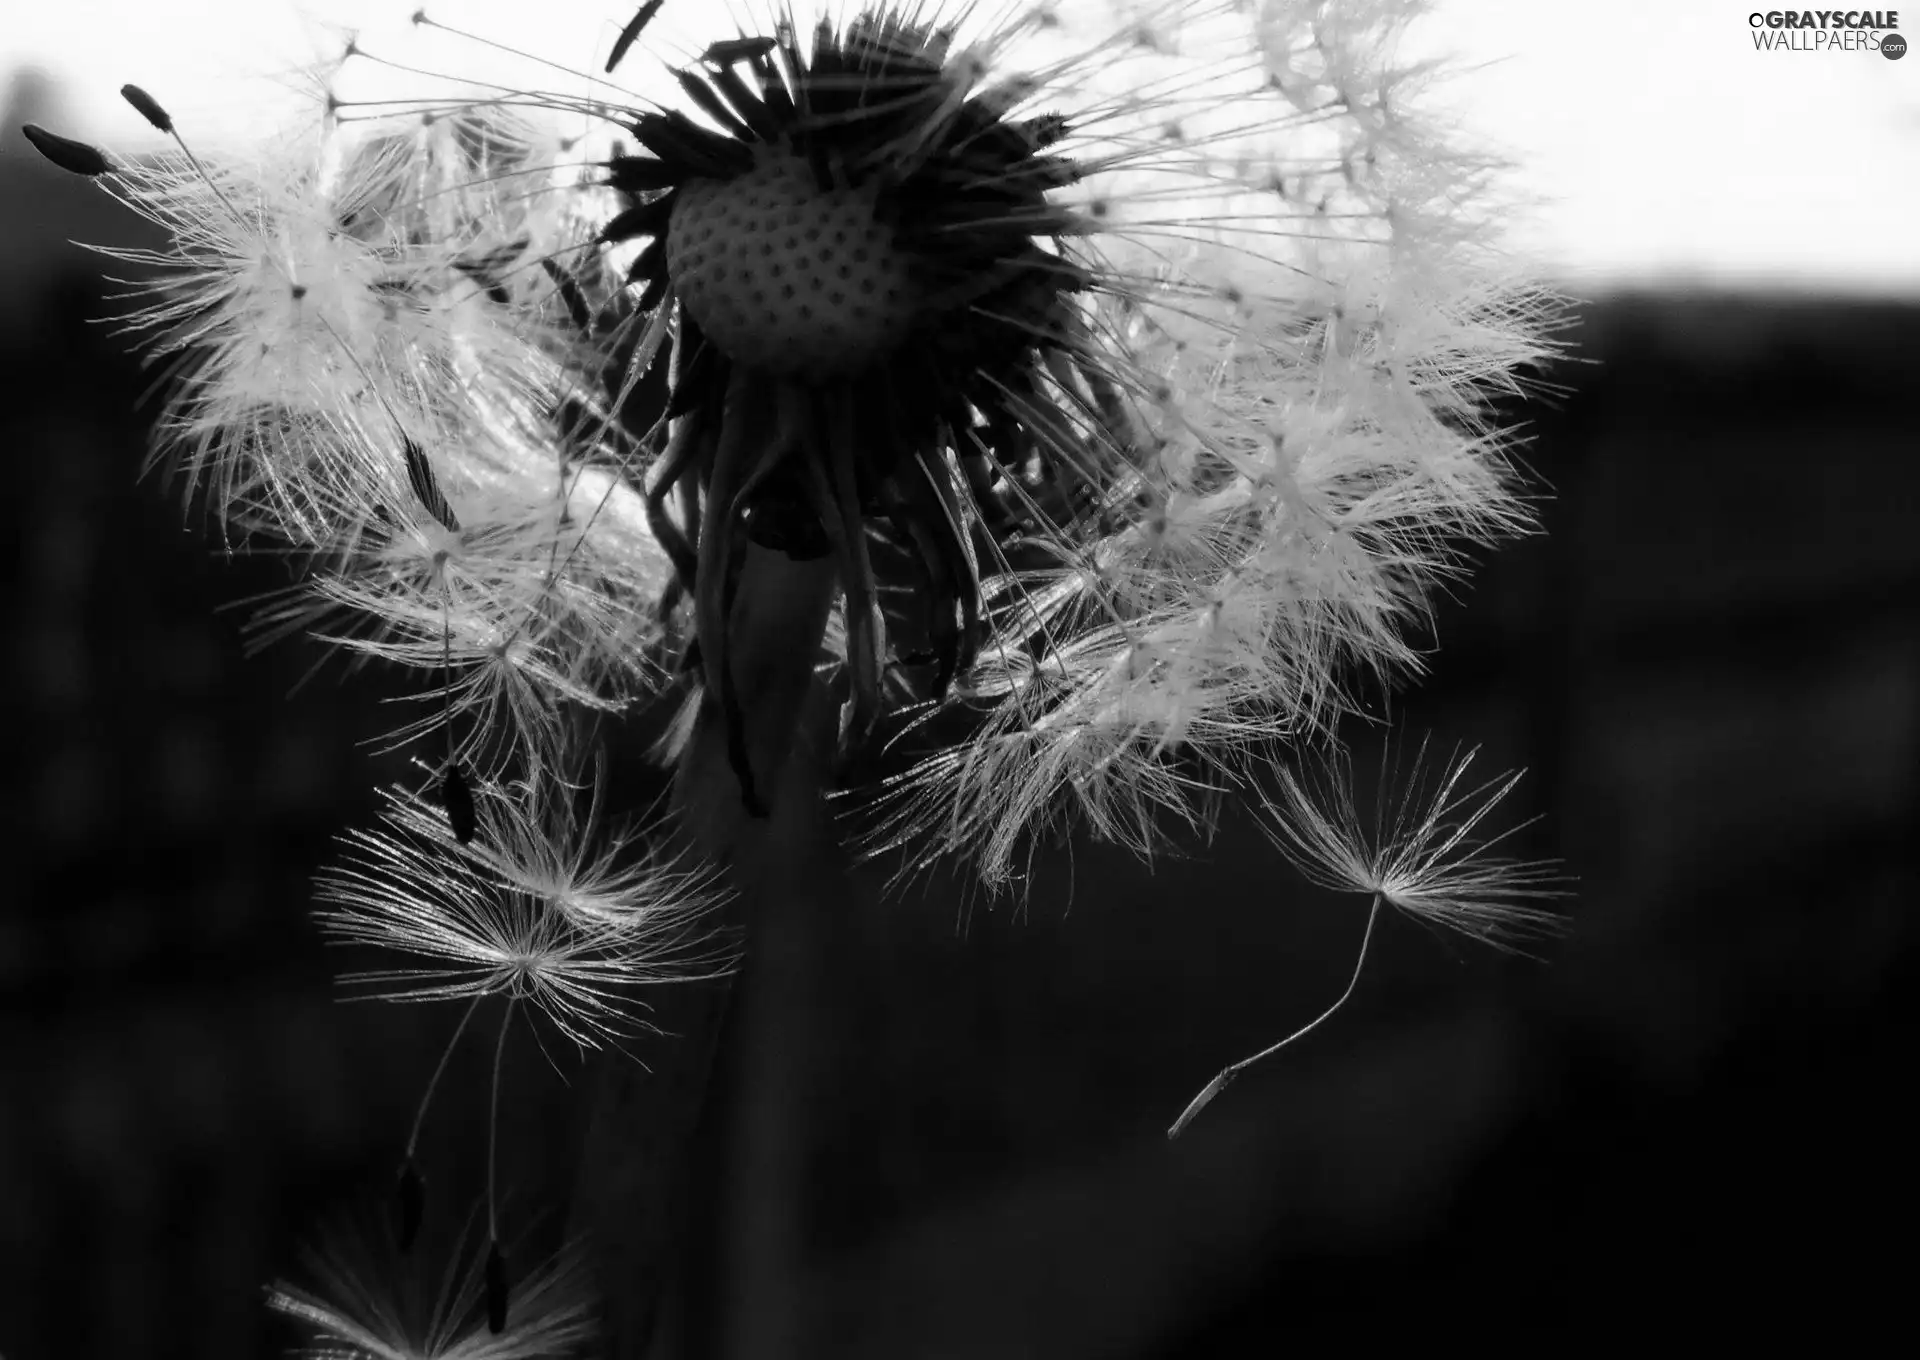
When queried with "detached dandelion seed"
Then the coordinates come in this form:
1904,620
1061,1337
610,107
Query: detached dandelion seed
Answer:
1421,858
363,1300
75,157
631,32
1423,853
1227,1074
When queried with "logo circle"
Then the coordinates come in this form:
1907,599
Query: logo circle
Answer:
1893,47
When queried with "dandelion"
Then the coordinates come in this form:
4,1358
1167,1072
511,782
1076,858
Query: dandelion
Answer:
1057,404
1422,858
362,1301
1121,373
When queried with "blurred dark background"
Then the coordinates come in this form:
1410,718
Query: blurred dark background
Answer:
1688,1107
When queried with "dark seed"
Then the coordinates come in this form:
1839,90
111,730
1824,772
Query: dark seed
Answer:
621,45
457,796
148,107
488,269
76,158
411,1203
571,296
427,487
737,49
640,174
496,1290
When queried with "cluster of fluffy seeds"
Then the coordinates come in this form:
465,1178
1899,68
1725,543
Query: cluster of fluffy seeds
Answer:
1301,303
368,367
1133,360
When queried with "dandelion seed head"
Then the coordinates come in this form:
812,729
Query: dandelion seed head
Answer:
1131,360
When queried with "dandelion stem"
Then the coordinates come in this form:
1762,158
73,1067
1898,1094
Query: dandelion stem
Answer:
1227,1074
635,1175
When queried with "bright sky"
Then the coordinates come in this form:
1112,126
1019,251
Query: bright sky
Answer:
1661,144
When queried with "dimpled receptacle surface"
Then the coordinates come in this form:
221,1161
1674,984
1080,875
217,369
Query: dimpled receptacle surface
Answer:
788,278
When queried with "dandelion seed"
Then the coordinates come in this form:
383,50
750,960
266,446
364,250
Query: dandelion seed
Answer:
727,51
456,796
363,1300
496,1289
1422,853
427,488
493,921
631,33
631,879
148,107
1421,858
1227,1074
537,604
75,157
533,910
